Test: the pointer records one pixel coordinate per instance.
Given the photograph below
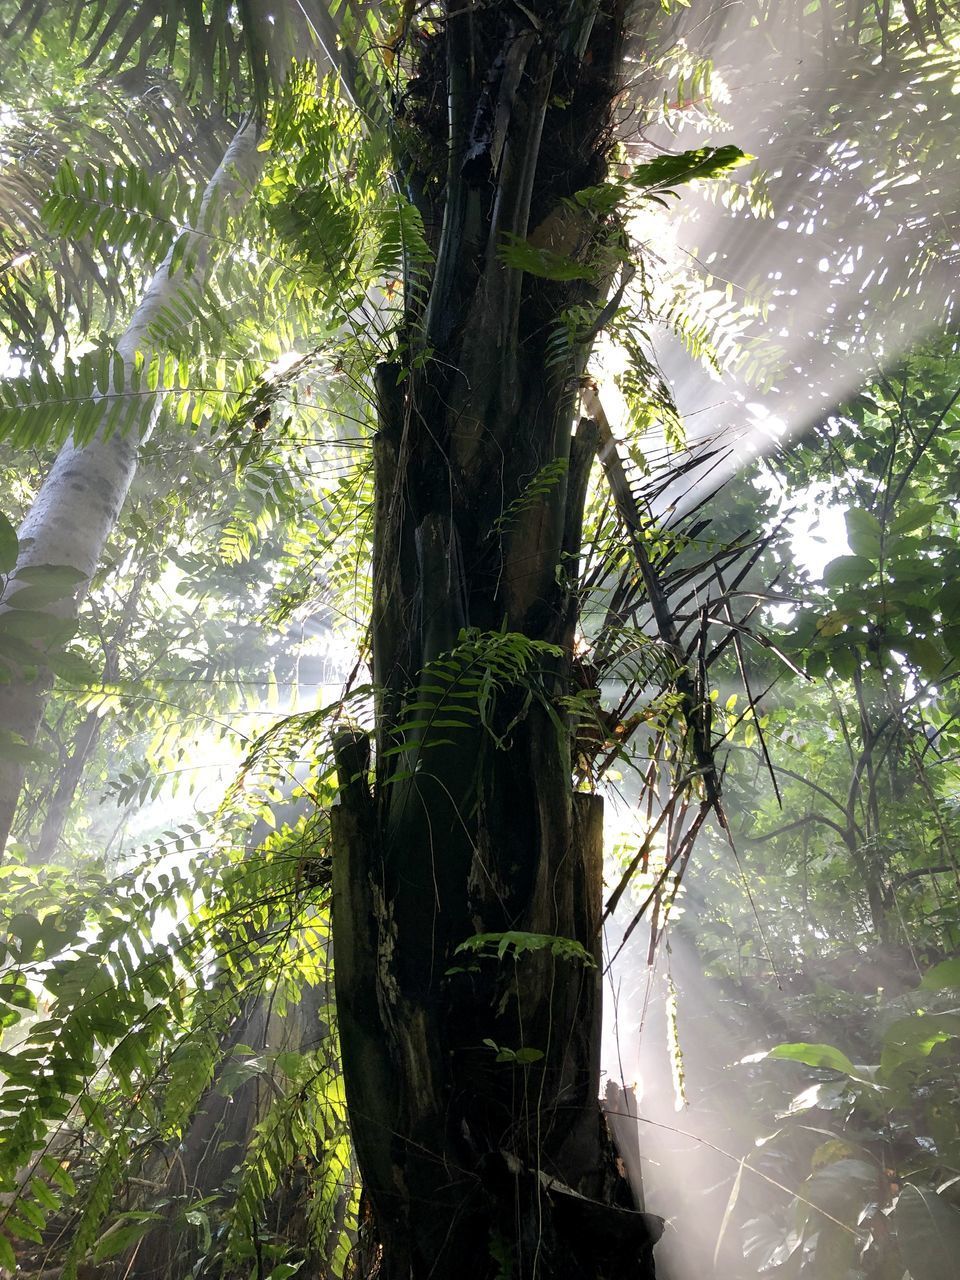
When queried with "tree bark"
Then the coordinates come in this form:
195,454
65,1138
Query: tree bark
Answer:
72,765
473,1087
68,780
79,503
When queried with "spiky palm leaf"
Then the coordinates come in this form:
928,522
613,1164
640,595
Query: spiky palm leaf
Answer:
56,281
230,54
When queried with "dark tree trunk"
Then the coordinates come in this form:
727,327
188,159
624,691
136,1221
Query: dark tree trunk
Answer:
477,1162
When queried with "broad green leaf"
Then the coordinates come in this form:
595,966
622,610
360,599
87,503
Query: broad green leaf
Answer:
74,668
46,583
35,625
833,623
848,570
42,1194
928,1232
942,976
527,1055
816,664
909,1041
16,650
923,653
197,1218
913,571
22,1230
830,1152
860,405
843,1189
768,1245
28,930
844,661
863,532
32,1212
815,1055
914,517
58,1175
827,1096
64,574
948,599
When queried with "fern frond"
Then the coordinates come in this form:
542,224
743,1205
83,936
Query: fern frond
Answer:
53,285
648,397
402,253
460,688
534,491
306,1126
92,393
98,393
119,209
97,1204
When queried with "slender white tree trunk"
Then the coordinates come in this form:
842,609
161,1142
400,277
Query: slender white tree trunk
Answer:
80,500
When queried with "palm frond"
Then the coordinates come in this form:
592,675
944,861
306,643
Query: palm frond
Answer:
234,55
55,286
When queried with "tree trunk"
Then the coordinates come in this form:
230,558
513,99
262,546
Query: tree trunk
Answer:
80,500
44,850
71,767
472,1085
